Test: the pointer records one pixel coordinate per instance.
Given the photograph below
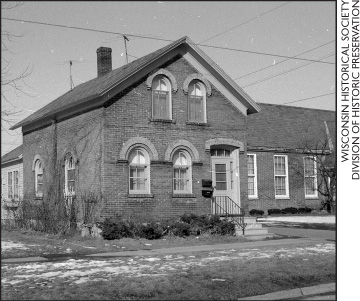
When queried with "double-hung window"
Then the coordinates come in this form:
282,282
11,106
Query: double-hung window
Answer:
310,177
13,185
182,172
38,178
70,176
252,176
196,106
281,176
161,98
139,172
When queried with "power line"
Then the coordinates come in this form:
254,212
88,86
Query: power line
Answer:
283,60
287,71
308,98
244,22
166,40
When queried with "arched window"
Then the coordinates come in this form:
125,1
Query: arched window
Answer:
182,172
139,175
70,176
161,98
196,101
38,178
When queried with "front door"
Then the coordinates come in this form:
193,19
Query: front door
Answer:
221,176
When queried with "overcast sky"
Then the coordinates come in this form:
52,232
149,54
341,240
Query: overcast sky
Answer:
257,35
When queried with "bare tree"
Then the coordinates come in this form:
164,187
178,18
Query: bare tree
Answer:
319,153
10,82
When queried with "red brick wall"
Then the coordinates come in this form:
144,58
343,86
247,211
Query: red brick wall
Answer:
266,187
130,117
81,135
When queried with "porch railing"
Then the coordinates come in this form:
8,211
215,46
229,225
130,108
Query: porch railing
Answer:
224,206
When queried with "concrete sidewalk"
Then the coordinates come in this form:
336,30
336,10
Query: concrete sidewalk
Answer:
317,292
175,250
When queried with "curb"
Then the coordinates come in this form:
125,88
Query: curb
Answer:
294,293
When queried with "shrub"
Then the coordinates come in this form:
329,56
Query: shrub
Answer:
180,229
117,229
304,210
188,217
223,227
151,231
289,210
274,211
256,212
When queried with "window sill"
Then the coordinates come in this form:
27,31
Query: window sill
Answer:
282,198
183,195
140,195
197,123
162,120
39,198
253,197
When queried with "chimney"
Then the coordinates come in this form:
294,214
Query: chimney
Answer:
104,64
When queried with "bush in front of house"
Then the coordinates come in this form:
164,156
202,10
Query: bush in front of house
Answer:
304,210
256,212
151,230
289,210
274,211
116,229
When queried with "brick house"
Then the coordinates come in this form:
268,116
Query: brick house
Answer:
283,141
146,135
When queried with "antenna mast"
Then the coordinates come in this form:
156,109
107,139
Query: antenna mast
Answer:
126,39
71,80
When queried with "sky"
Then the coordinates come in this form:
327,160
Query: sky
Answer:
252,40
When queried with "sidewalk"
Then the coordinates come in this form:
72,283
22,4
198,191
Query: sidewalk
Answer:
317,292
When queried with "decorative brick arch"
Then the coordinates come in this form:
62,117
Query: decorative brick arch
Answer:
37,157
201,78
141,142
224,141
175,145
165,72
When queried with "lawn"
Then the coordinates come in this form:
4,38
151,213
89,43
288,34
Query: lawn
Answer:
47,245
218,275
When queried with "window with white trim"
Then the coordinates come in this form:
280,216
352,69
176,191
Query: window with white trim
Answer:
196,102
70,176
38,178
139,174
13,185
161,98
252,176
182,172
281,176
310,177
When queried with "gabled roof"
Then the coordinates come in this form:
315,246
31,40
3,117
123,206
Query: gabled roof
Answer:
15,154
281,126
96,88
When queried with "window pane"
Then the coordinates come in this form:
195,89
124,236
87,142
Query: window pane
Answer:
221,177
251,167
71,186
280,166
220,167
71,175
220,186
251,186
280,187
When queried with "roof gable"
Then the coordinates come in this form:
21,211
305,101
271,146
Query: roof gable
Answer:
15,154
280,126
100,89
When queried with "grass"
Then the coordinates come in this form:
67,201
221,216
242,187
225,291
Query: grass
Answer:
319,226
47,245
228,280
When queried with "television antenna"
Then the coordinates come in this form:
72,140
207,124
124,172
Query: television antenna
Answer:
70,62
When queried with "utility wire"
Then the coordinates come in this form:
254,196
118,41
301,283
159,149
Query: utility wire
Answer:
166,40
244,22
308,98
283,60
281,73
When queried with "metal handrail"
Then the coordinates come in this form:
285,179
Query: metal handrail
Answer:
225,206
